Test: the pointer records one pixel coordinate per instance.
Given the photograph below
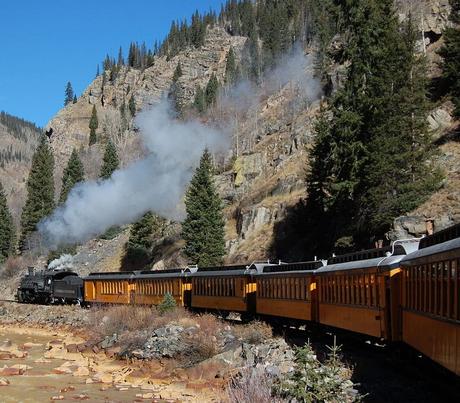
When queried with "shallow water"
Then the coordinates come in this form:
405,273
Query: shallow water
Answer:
40,384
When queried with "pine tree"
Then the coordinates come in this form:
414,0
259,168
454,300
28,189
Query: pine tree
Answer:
168,304
68,94
93,125
231,71
40,191
199,102
132,106
203,228
175,92
110,162
7,233
369,159
451,56
211,90
73,173
120,60
139,245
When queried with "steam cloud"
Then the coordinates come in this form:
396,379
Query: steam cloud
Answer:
295,69
156,183
63,262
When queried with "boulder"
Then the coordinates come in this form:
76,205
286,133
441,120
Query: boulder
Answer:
4,382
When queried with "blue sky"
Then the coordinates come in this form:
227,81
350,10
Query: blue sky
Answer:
46,43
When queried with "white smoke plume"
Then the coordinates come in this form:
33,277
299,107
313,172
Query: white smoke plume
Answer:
156,183
295,69
64,262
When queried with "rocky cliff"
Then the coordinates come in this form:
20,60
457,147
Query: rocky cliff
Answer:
18,140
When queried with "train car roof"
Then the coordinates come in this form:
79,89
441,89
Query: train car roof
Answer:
387,262
441,236
131,275
432,250
297,267
367,254
235,270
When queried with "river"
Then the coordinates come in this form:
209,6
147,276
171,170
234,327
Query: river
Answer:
35,367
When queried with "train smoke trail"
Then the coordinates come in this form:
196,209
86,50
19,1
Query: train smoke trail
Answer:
156,183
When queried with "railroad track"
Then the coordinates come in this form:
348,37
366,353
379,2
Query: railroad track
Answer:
9,300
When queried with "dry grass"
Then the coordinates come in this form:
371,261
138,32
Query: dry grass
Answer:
12,266
254,333
105,321
202,344
251,385
117,319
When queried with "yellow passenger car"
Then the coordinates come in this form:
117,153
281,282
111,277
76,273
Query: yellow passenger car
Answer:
108,288
225,289
431,298
137,287
287,291
360,291
150,287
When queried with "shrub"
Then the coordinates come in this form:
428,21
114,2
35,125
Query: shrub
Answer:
251,385
11,267
168,304
254,333
202,344
312,381
120,318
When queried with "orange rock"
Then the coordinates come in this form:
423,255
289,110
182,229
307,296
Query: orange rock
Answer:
5,356
4,382
5,371
81,397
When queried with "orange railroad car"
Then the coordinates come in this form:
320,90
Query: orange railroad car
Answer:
107,288
141,287
287,291
431,298
360,291
224,289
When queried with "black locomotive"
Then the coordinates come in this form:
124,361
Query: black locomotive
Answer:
50,287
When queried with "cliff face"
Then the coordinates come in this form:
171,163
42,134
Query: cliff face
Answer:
18,140
262,180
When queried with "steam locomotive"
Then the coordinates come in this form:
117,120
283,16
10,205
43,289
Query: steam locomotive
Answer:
50,286
409,292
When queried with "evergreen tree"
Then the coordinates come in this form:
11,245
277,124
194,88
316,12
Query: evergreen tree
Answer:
177,73
110,162
168,304
68,94
40,191
369,159
132,106
120,60
203,228
199,102
93,125
73,173
139,245
231,73
7,234
175,92
74,99
211,90
451,56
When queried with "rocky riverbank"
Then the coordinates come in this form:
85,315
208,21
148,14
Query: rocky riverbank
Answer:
174,355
